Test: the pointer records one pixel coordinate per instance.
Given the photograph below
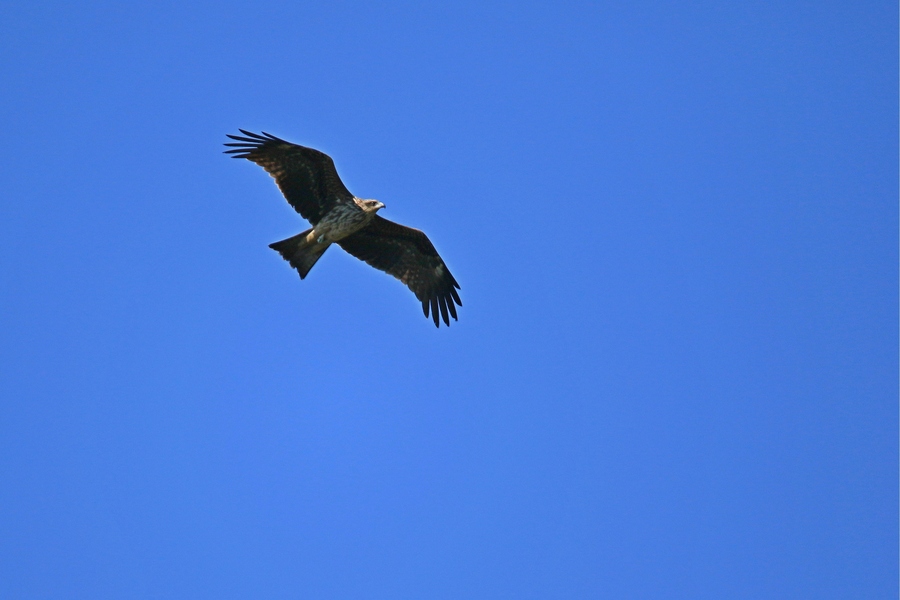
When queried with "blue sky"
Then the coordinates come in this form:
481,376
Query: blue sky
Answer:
674,374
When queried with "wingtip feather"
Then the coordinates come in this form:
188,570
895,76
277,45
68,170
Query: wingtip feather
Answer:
434,311
452,308
442,302
251,134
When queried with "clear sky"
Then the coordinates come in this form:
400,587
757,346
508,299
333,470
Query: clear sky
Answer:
674,374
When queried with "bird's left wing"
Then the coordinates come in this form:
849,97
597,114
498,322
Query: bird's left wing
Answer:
408,255
305,176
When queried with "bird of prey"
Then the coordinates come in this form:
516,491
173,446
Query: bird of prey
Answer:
310,184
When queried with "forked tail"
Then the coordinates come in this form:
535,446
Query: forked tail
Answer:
300,252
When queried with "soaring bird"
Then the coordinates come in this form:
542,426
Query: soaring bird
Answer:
310,183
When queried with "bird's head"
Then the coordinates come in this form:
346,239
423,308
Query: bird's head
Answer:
371,205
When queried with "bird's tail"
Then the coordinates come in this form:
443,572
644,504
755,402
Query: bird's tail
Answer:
301,252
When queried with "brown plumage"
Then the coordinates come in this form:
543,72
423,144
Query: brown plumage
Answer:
310,183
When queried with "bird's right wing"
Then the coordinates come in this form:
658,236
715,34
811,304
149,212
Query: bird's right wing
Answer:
408,255
305,176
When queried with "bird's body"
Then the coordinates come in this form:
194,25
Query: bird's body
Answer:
310,183
345,219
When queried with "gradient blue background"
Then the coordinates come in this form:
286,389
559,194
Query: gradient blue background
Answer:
674,375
